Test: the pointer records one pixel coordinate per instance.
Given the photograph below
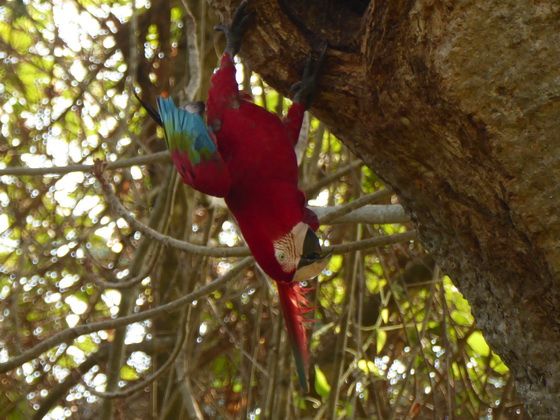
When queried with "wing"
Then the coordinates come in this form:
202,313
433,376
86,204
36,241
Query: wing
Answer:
193,150
294,307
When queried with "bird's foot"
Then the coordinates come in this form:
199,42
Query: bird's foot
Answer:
234,32
305,90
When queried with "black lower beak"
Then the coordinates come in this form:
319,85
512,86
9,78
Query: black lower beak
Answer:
314,259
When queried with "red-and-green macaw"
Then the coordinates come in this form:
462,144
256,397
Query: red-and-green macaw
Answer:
247,157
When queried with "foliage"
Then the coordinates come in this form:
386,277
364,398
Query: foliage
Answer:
393,337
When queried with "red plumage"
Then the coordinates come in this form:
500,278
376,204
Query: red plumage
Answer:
294,306
258,149
247,156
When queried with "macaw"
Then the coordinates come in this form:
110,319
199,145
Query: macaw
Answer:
247,157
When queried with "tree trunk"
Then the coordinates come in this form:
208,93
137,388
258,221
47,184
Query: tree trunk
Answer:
456,105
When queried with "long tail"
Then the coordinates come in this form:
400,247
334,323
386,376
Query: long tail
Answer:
294,307
151,111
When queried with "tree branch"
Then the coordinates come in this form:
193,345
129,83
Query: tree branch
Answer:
360,202
370,214
166,240
374,242
195,76
61,170
75,332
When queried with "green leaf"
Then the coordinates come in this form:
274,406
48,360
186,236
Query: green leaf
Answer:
86,344
176,13
385,315
368,367
381,340
237,387
18,40
462,318
335,264
321,384
498,365
477,342
128,373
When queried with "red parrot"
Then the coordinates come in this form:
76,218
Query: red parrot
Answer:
247,156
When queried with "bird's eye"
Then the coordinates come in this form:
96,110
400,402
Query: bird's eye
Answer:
280,256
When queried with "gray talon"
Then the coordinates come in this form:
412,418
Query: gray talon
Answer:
305,90
234,32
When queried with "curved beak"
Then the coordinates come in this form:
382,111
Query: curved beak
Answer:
312,261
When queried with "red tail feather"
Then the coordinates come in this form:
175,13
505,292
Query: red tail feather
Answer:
294,306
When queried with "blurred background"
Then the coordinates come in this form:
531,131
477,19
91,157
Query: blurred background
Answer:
392,337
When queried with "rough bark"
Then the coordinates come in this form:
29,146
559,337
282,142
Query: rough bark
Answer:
456,105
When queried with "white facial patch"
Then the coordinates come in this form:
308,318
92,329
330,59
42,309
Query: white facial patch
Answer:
288,249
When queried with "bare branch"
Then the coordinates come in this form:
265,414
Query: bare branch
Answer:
360,202
166,240
61,170
374,242
195,76
372,214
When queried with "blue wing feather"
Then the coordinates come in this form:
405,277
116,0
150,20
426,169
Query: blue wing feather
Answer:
185,131
193,150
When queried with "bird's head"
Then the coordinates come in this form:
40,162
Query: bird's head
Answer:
297,255
279,230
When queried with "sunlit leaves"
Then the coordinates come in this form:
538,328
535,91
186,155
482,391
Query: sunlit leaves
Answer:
321,383
128,373
17,35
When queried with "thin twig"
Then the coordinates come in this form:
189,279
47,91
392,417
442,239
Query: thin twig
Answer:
312,190
344,325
